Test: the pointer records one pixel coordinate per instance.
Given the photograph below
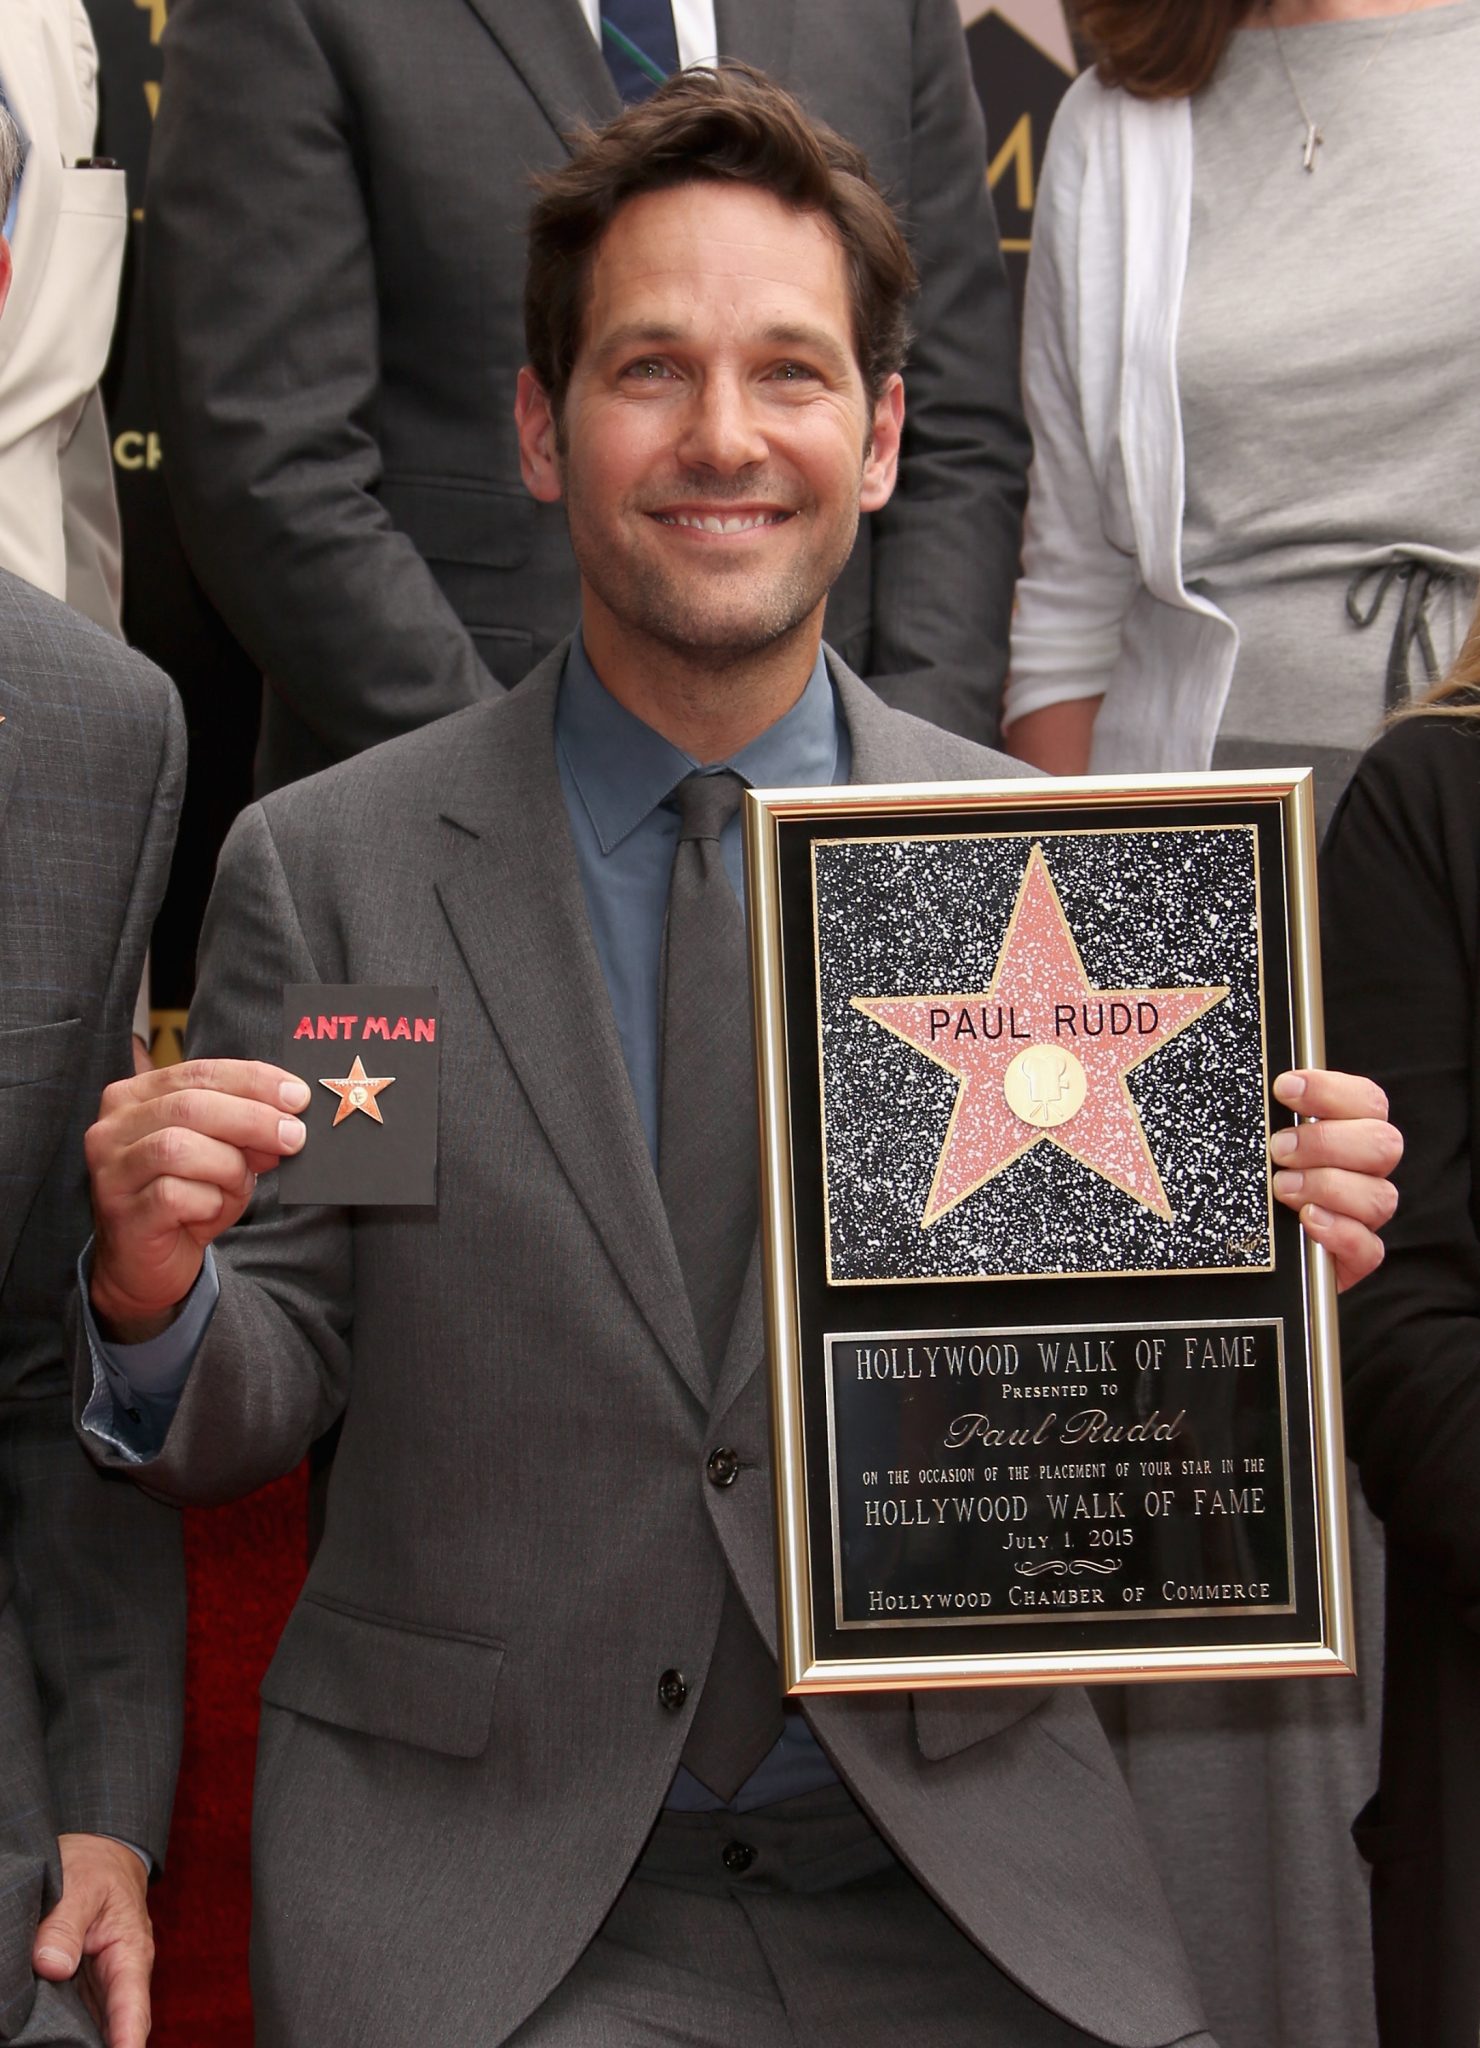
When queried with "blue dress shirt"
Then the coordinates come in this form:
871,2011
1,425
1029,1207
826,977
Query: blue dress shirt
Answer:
617,775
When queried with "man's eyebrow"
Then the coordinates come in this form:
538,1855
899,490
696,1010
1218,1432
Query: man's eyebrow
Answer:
813,341
638,336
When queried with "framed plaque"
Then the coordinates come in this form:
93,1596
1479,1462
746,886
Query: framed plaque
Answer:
1054,1377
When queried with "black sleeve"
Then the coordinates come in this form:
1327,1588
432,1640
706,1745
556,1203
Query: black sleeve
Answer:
1400,905
264,333
946,546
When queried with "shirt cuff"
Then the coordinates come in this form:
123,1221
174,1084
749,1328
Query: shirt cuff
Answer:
136,1388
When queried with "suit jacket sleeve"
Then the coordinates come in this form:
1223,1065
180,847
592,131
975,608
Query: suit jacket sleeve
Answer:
99,1578
1402,921
272,1372
264,332
946,547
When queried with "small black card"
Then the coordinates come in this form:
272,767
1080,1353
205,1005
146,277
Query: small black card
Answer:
369,1056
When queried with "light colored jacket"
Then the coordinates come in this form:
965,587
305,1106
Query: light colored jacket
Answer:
1102,608
58,512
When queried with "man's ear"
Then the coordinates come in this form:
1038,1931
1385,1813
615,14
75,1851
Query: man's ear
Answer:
539,455
881,463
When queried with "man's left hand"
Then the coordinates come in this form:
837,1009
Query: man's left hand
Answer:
1334,1169
101,1924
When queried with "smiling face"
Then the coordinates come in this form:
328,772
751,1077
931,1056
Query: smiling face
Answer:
717,443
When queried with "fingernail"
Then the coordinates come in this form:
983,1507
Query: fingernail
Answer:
1282,1145
1321,1218
294,1094
290,1133
1290,1087
1288,1185
57,1955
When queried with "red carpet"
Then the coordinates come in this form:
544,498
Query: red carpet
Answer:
245,1566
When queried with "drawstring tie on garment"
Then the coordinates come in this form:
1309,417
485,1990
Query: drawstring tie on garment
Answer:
1419,582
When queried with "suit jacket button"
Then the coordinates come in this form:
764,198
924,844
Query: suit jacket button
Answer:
737,1857
672,1690
722,1465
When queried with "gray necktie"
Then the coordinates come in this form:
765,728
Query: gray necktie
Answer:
706,1107
707,1173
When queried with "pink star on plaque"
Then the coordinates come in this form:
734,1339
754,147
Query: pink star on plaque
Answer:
1041,1055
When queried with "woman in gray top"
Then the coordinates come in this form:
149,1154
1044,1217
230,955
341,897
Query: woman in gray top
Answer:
1253,525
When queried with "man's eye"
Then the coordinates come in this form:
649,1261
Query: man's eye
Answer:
794,373
646,370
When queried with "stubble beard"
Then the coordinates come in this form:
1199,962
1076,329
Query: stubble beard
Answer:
754,614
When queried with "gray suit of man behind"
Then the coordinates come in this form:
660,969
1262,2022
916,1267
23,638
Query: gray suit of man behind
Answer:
466,1739
337,197
92,1596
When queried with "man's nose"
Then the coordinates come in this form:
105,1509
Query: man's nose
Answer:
723,430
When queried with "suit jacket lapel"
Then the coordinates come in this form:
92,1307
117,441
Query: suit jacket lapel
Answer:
510,887
10,745
17,1188
758,31
18,1110
550,45
884,747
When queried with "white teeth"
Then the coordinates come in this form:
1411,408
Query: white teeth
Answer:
711,523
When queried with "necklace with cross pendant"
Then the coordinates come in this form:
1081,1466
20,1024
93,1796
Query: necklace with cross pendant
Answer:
1314,137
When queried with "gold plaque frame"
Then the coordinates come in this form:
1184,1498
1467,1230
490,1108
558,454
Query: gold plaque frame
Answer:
826,1317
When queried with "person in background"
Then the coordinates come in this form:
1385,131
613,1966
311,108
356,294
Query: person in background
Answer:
525,1771
1401,884
336,204
66,223
1252,529
1254,277
92,1591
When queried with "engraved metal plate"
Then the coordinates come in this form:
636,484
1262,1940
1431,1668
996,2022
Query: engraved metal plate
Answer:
1054,1377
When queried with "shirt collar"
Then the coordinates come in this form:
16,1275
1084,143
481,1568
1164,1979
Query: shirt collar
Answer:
622,769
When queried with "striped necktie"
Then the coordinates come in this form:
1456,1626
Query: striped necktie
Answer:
640,45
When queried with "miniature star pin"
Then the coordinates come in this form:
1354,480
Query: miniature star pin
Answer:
1041,1055
357,1090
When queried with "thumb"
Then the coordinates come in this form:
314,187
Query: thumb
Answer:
57,1951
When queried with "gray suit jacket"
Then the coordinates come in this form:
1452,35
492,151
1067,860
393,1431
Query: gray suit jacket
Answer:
92,1595
464,1745
336,208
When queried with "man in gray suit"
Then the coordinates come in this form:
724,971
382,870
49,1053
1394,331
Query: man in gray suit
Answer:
524,1772
92,1595
337,192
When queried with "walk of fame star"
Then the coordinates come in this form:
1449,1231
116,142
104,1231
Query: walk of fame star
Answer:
357,1090
1041,1056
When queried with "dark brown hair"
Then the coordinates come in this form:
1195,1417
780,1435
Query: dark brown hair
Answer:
1158,49
728,125
1458,696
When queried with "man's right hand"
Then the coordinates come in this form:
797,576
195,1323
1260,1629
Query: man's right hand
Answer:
174,1157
